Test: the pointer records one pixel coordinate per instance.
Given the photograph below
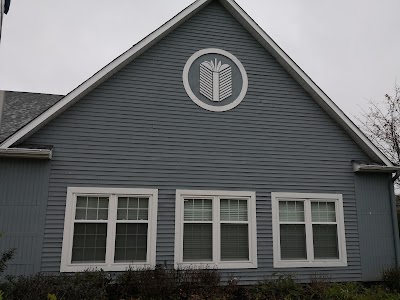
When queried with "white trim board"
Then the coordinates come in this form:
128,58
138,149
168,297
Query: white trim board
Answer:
258,33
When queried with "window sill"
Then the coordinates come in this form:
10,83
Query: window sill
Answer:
220,265
310,264
113,268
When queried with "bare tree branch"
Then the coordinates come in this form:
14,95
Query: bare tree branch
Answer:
381,123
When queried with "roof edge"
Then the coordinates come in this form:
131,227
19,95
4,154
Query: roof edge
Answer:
305,81
103,74
258,33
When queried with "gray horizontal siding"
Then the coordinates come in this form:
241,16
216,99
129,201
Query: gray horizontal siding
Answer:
140,129
23,199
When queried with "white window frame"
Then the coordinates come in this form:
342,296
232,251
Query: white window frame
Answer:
216,262
310,261
113,194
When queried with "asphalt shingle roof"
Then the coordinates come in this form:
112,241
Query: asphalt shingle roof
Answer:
21,108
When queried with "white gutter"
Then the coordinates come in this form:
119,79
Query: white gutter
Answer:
26,153
357,167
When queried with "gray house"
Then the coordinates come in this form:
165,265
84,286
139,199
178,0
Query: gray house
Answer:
203,145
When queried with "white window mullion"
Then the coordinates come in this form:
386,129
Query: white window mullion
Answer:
249,227
309,235
182,224
111,229
71,215
216,230
150,229
339,230
276,228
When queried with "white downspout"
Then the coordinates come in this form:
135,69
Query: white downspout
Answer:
2,100
1,15
2,93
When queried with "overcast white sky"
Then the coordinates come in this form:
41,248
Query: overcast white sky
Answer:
350,48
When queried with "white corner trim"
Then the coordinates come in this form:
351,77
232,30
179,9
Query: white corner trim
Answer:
278,262
102,75
216,263
2,93
109,265
186,84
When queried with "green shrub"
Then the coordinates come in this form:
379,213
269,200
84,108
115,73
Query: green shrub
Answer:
166,283
87,285
343,291
391,279
5,257
146,283
317,287
51,297
377,292
186,284
233,291
284,287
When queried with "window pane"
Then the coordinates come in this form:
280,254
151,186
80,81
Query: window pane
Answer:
80,214
323,211
325,241
133,202
132,208
143,202
102,214
131,242
93,202
91,208
197,242
89,244
91,214
293,241
291,211
234,242
103,202
81,201
198,210
122,202
233,210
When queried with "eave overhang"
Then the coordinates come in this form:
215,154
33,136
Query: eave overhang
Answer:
26,153
373,168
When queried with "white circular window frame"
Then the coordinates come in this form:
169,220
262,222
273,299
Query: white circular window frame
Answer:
185,78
